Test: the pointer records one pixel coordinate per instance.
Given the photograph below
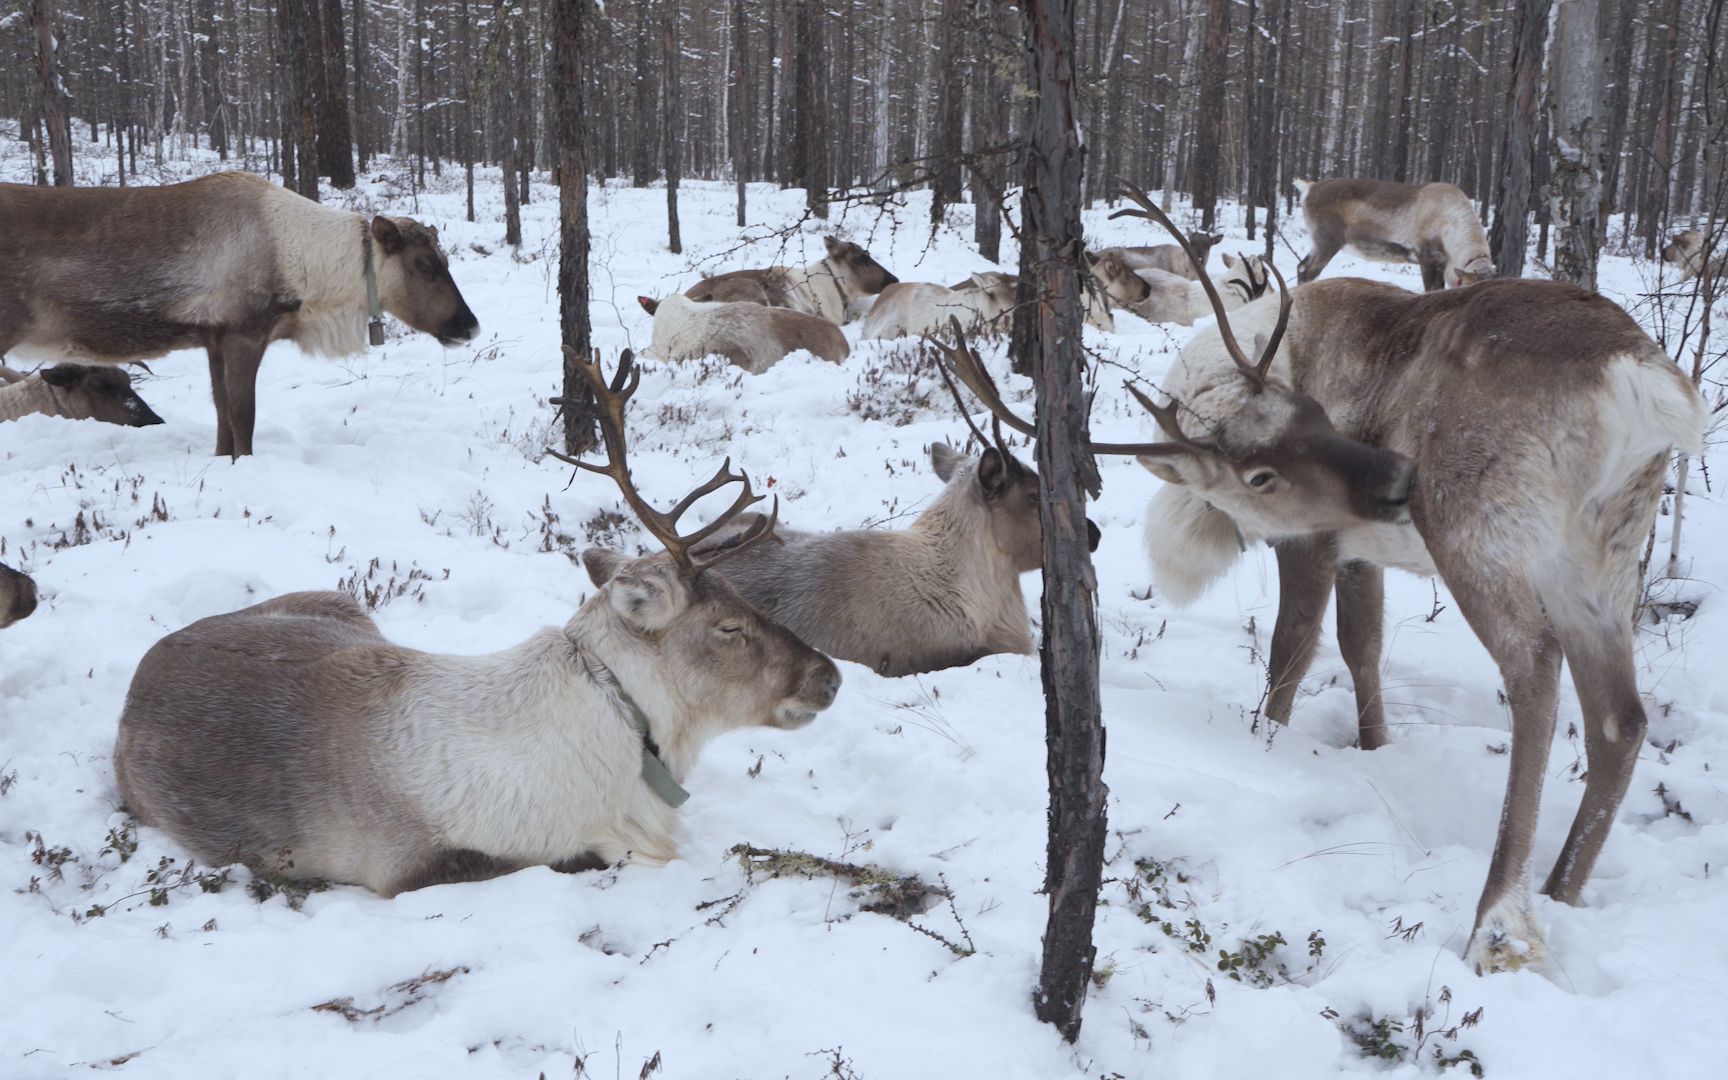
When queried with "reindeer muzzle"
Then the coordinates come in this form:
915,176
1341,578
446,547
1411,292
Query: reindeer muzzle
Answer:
816,691
459,329
1092,535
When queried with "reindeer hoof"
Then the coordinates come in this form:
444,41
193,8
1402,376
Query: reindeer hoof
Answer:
1501,944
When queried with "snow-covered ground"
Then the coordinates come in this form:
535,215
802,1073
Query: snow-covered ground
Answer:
416,472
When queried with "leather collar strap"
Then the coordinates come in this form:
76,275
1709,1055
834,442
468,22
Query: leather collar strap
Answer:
654,771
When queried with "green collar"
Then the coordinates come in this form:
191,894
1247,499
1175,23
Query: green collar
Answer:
654,771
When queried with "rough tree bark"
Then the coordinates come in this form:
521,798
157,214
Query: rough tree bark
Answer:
1210,115
740,105
299,126
674,121
53,91
945,141
810,136
1512,201
570,25
642,138
335,130
1575,95
1074,729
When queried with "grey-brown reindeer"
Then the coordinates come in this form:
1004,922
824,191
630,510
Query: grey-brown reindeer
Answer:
827,288
74,392
1431,225
1511,437
942,593
229,262
1171,258
292,735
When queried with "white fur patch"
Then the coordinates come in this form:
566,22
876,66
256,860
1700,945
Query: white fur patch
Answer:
1190,542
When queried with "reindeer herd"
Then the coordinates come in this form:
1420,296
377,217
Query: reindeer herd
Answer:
1509,436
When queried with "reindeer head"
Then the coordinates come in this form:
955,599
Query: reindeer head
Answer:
996,495
99,392
1480,268
414,282
862,275
1120,283
713,649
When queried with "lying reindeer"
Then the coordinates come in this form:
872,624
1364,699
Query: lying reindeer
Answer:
943,593
1686,253
74,392
916,307
1184,300
1170,258
751,336
1431,225
229,262
826,288
1113,282
17,596
294,726
1511,437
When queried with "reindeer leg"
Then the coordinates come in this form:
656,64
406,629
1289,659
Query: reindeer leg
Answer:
1361,616
219,391
1306,568
1506,613
241,357
1433,264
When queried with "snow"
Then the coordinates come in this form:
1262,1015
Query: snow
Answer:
422,466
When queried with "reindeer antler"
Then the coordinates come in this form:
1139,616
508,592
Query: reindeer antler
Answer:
972,372
1254,372
610,400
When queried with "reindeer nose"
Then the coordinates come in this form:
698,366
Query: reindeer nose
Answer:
821,684
1403,477
1092,535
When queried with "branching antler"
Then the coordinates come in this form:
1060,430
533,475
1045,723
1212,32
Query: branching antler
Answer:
1254,372
609,402
971,371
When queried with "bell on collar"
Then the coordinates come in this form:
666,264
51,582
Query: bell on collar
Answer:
375,331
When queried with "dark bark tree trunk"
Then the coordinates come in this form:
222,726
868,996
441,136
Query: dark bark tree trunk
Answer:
1512,204
642,138
299,128
950,113
503,58
674,120
1406,99
989,133
810,137
1576,94
335,130
571,23
362,112
1208,123
53,91
740,105
1074,729
1653,214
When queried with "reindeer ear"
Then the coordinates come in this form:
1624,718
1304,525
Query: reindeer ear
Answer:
945,459
649,304
63,375
1161,468
389,237
602,564
995,473
1231,261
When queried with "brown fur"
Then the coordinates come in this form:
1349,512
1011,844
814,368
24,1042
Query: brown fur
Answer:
1170,258
826,289
228,262
17,596
1431,225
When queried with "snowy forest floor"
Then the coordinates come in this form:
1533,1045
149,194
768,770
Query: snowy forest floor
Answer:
1338,886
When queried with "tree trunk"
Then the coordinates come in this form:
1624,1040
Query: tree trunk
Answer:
1074,731
642,138
945,140
674,124
335,130
571,25
1406,100
810,137
989,133
1208,123
299,125
1653,215
740,103
1512,205
1575,93
53,91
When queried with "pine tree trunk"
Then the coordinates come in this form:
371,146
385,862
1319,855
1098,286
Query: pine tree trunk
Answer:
572,20
674,121
740,103
1074,731
810,136
53,91
335,130
299,126
1576,94
642,138
1512,205
945,140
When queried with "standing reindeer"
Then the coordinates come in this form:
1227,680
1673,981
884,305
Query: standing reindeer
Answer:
293,735
1511,437
1431,225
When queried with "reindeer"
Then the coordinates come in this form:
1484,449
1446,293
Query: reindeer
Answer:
17,596
827,288
1170,258
293,735
751,336
1431,225
1685,252
1511,437
229,262
1184,300
74,392
916,308
943,593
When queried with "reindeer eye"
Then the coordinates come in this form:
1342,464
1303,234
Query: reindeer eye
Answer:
730,628
1259,478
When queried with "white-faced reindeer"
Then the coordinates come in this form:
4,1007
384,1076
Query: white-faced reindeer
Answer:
74,392
827,288
229,262
1185,301
1511,437
1431,225
292,735
943,593
752,336
17,596
915,307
